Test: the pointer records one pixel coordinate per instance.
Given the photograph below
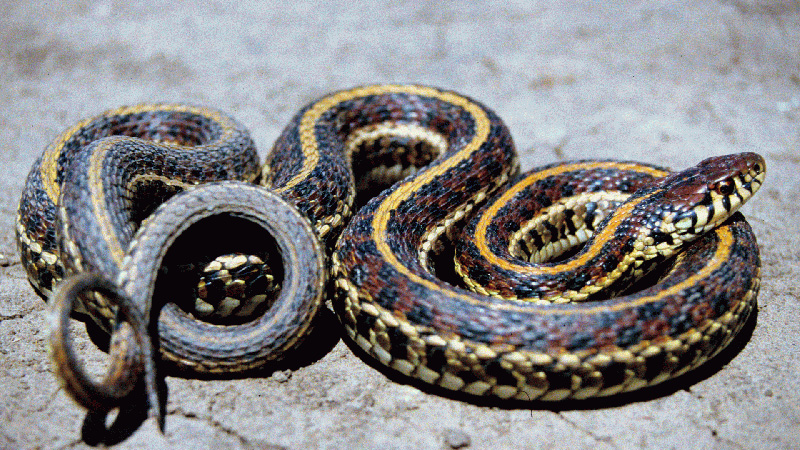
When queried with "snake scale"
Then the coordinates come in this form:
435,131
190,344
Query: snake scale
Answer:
528,328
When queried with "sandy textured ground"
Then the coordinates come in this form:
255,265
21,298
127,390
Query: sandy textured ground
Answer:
662,82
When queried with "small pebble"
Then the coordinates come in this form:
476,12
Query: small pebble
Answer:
4,261
282,376
456,438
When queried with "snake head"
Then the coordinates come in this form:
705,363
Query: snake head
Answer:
702,197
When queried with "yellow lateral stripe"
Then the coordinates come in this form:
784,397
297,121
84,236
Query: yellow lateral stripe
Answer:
494,208
720,256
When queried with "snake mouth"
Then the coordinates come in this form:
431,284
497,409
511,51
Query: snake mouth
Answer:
219,271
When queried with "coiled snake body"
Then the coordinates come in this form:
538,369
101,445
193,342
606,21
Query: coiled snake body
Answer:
524,331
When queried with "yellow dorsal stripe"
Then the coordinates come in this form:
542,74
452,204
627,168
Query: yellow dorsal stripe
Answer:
308,138
99,205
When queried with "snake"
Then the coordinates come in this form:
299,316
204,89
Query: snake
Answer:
385,177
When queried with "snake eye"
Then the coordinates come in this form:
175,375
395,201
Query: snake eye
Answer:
724,187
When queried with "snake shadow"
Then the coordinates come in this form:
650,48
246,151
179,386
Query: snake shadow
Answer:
111,428
681,383
326,334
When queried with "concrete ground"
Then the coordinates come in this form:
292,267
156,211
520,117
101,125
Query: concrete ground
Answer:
662,82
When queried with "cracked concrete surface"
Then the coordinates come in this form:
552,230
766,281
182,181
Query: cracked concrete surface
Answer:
662,82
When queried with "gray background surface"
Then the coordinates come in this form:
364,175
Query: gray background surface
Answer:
663,82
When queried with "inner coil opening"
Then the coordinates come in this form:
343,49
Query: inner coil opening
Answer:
209,272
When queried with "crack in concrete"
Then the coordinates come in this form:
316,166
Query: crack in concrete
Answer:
71,444
49,400
244,441
12,316
604,439
20,314
728,443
